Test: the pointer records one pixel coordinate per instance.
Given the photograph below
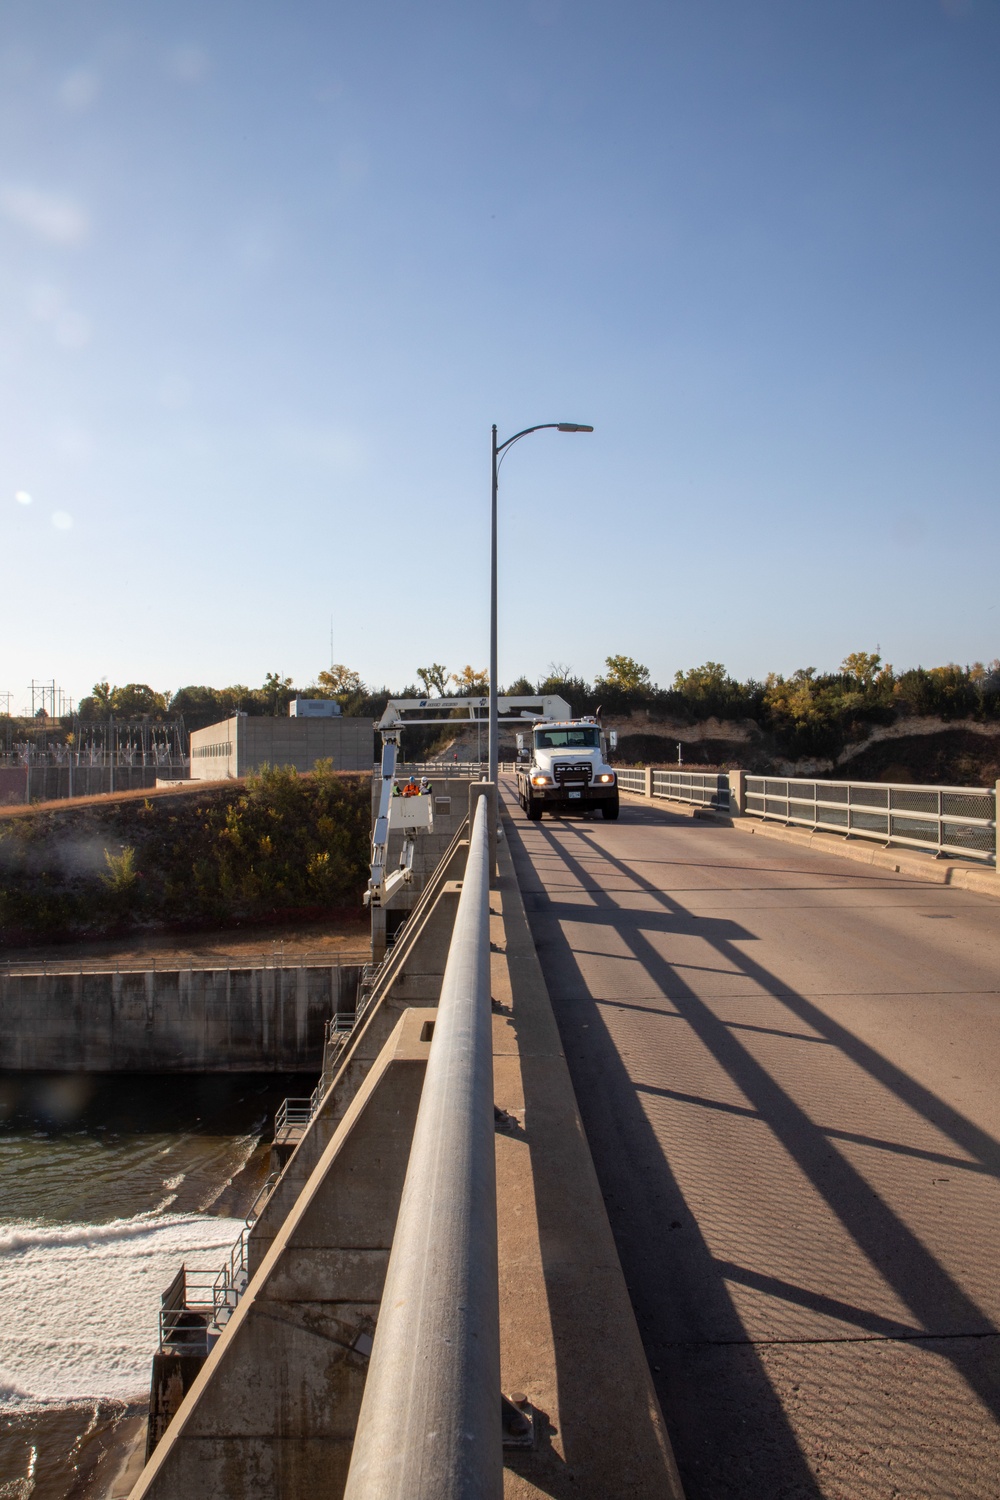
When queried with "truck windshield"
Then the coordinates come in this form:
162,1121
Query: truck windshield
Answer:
565,739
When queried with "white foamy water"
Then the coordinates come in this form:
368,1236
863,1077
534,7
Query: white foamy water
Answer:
81,1301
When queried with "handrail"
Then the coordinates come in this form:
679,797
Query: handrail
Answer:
943,820
429,1427
958,822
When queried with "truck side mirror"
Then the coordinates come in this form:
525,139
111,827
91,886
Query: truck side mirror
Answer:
612,739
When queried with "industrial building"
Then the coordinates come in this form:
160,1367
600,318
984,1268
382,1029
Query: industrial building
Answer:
241,744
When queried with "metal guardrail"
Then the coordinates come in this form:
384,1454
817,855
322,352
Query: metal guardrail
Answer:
429,1427
447,770
298,1114
294,1113
943,820
187,1311
200,1300
705,788
444,770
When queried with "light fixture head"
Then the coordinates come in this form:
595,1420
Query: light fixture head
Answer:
573,427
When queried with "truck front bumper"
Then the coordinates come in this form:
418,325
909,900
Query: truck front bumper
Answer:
568,797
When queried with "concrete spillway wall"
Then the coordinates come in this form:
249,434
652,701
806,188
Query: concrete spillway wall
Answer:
172,1020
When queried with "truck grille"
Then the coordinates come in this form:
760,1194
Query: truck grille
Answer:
572,774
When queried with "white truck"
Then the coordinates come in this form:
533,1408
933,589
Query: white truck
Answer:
568,770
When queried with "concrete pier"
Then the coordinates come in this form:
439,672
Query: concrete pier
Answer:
275,1407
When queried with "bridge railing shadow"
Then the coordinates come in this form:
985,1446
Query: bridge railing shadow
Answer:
686,1296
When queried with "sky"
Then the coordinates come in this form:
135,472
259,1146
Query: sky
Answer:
269,272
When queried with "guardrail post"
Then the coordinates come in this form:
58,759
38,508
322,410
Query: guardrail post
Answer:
486,789
737,792
649,782
996,828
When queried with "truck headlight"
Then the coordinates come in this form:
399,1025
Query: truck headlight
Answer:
541,781
608,776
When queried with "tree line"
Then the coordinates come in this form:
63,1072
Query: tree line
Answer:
807,712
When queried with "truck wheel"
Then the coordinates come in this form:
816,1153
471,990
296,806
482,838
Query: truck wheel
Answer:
534,809
610,810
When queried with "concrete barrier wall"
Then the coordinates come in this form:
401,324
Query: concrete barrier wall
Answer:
172,1020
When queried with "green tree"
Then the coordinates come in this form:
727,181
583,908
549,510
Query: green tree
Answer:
948,692
132,701
122,874
276,694
136,699
200,706
703,682
97,704
626,674
434,678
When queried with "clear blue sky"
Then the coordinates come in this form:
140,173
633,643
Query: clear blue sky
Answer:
269,272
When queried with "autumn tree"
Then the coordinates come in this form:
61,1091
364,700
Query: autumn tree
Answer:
864,667
338,679
470,681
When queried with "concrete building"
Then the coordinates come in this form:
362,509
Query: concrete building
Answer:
314,708
241,744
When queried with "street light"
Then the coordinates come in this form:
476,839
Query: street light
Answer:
498,450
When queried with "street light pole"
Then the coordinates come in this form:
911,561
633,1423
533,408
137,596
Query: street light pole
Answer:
491,739
498,450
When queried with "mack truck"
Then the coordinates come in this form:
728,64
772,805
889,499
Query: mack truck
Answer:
567,770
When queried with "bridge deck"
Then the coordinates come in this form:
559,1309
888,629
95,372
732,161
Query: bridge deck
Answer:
786,1067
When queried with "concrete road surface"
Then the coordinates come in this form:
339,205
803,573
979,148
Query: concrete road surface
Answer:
787,1069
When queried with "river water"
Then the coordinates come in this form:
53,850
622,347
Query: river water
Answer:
107,1184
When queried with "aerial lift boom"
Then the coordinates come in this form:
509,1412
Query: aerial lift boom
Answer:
398,812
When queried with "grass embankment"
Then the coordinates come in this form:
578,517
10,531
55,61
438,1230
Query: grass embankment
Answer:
280,846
